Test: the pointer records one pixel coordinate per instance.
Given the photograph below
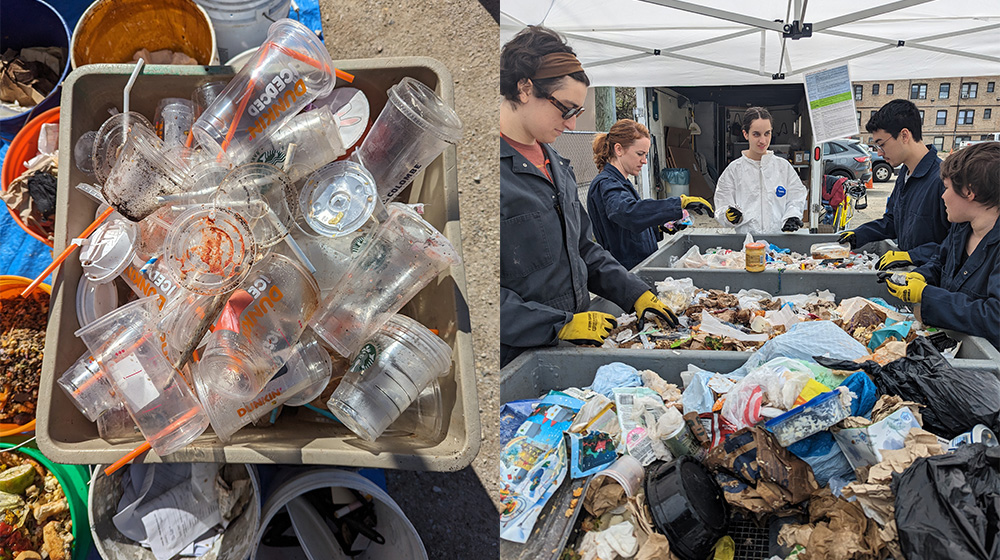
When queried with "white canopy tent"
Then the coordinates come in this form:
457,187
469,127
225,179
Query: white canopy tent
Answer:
651,43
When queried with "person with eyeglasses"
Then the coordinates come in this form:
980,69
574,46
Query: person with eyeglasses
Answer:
915,214
549,262
759,192
625,224
959,287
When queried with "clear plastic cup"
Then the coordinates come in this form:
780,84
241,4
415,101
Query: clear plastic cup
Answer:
306,369
304,144
210,250
258,192
83,152
142,176
174,118
411,131
424,418
337,200
290,70
88,387
205,94
352,111
404,254
154,393
106,253
398,362
255,332
94,301
108,143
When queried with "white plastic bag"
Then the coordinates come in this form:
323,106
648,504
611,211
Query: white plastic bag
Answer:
692,259
676,294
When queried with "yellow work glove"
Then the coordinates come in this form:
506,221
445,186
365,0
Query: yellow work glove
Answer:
848,237
734,215
911,291
589,327
696,204
649,303
893,259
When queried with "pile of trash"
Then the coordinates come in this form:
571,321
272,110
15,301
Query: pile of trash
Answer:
822,256
719,320
255,256
843,458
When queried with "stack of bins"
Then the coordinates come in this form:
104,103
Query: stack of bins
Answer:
64,434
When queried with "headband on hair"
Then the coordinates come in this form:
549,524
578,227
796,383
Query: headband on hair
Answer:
554,65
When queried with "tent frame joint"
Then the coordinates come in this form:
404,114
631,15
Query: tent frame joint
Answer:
778,76
795,31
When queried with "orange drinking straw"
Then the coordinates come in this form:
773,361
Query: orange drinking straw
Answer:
145,445
66,252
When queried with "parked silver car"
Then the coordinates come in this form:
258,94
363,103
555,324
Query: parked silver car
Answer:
847,158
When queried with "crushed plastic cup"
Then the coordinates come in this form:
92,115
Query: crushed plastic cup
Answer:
109,141
398,362
306,369
129,351
88,387
304,144
142,176
337,200
403,255
210,250
256,330
411,131
289,71
106,253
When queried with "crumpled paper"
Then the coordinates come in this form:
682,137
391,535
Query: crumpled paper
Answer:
603,494
17,198
29,75
669,391
616,540
838,530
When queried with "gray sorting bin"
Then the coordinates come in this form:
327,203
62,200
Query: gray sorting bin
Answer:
797,242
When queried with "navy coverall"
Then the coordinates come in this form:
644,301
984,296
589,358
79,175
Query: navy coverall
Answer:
625,224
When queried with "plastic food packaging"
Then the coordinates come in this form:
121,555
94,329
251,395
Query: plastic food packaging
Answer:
823,251
812,417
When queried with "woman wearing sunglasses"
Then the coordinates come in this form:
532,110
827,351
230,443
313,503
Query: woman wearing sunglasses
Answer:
628,226
549,262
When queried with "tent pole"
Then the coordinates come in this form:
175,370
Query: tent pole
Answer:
642,117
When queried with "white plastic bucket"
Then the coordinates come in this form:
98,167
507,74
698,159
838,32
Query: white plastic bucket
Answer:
106,491
401,540
242,24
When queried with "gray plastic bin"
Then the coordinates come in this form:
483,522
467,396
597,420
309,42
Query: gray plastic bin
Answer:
66,436
797,242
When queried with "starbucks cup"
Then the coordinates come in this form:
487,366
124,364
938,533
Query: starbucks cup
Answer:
129,351
304,144
392,368
414,128
290,70
404,254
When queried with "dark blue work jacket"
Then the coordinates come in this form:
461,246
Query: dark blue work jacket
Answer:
914,214
965,297
548,261
624,223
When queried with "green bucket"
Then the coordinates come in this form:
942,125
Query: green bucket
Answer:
74,480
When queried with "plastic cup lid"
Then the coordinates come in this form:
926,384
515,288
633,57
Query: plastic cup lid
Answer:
94,300
338,198
210,250
351,110
421,105
108,250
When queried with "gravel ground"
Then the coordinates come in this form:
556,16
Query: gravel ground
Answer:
455,513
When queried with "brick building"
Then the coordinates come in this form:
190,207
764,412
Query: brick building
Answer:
953,109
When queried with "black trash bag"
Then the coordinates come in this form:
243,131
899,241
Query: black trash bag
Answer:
948,506
956,398
42,188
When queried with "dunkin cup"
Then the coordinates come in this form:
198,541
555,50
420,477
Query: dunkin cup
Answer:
130,352
142,176
414,128
307,369
289,70
395,364
88,387
307,142
404,254
257,328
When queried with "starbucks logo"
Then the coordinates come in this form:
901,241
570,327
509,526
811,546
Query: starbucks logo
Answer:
358,243
274,157
365,358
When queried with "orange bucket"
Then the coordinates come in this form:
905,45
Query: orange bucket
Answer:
22,148
10,287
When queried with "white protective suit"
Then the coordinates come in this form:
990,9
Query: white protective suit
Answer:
767,192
